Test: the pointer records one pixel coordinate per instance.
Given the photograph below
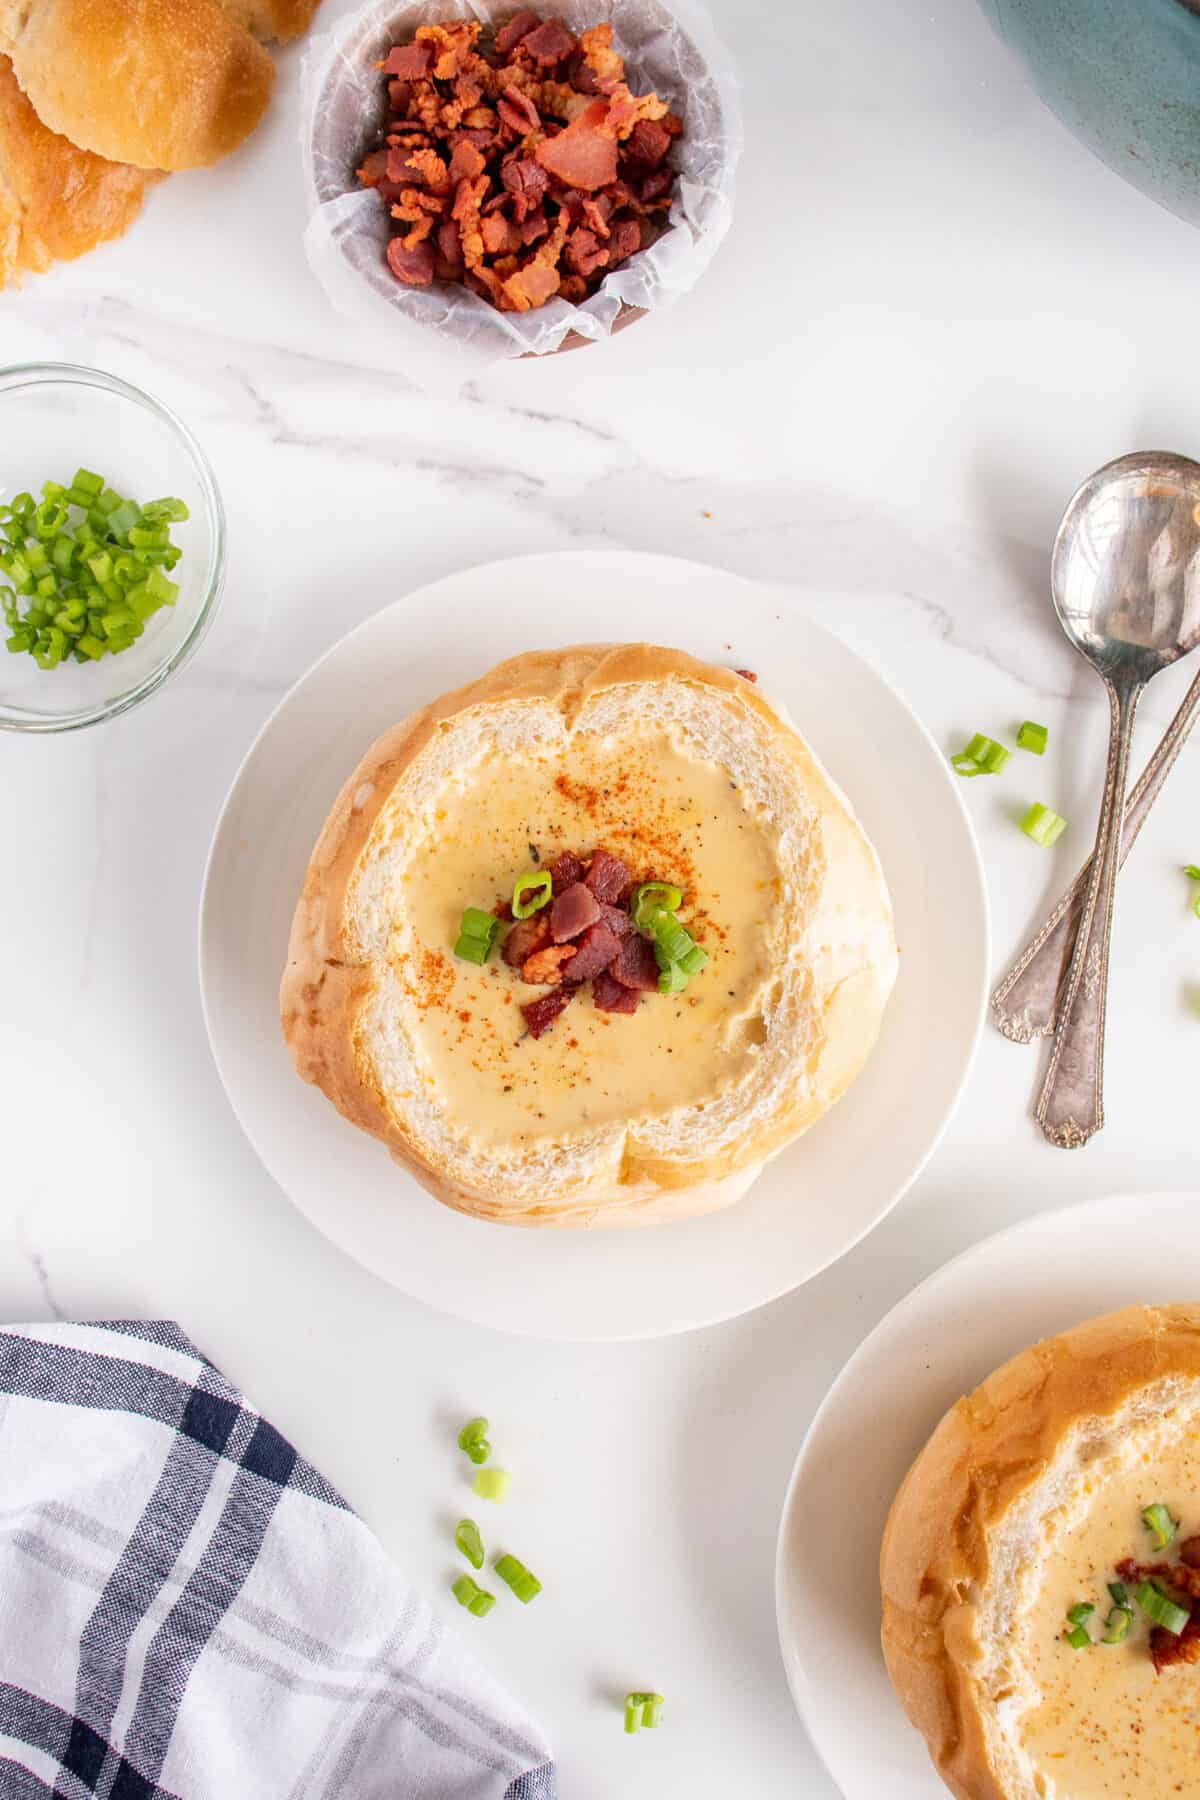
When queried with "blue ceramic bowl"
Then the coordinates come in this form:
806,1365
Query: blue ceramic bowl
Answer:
1124,75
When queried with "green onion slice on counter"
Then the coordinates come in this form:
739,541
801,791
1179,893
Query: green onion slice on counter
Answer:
492,1484
1193,874
515,1575
468,1541
473,1440
1033,737
1076,1615
532,891
982,756
651,899
1161,1608
476,935
1160,1524
468,1593
642,1710
1042,825
1116,1625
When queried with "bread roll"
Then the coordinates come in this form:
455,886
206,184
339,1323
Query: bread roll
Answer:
273,21
684,771
162,84
1026,1502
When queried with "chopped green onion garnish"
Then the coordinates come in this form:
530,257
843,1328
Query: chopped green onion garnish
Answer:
1116,1626
672,979
533,891
83,580
478,930
982,756
1192,871
693,960
515,1575
1078,1639
652,898
1119,1592
473,1439
1160,1524
672,941
492,1484
1077,1614
1161,1608
642,1710
477,1600
1033,737
1042,825
469,1542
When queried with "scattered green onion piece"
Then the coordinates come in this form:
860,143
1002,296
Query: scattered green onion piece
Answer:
643,1710
982,756
531,892
1076,1615
468,1593
1160,1524
693,960
492,1484
672,979
652,898
86,483
473,1440
515,1575
1079,1638
1192,871
468,1541
1033,737
1120,1593
672,940
1042,825
1116,1625
1161,1608
471,950
478,930
171,509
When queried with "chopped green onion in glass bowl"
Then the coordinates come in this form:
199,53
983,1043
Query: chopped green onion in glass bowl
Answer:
57,419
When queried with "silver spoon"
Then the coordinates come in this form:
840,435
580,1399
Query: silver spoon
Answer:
1125,577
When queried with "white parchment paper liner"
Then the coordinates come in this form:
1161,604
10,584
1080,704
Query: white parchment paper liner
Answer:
445,333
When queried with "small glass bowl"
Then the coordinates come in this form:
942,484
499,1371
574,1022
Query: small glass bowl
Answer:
54,419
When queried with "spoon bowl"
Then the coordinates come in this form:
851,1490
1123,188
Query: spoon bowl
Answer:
1125,572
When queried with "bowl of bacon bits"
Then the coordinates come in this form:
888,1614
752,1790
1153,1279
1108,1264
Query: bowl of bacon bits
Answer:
489,182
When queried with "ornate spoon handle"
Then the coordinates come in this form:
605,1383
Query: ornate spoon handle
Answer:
1025,1003
1071,1107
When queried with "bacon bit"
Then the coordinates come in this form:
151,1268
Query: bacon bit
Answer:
608,995
566,870
545,967
597,948
617,919
543,128
609,878
500,234
1189,1552
635,965
549,44
572,912
526,936
511,33
1167,1650
408,61
413,264
749,675
541,1013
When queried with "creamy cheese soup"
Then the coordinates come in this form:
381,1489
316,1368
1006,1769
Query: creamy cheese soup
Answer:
669,816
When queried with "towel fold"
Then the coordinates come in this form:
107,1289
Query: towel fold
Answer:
188,1611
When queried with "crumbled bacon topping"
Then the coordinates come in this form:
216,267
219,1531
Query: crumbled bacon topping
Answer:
525,167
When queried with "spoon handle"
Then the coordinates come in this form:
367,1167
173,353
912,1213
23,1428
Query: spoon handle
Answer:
1025,1003
1071,1107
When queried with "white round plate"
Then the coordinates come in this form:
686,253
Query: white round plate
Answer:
816,1199
942,1340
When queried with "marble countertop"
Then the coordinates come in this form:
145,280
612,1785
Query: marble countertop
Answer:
934,314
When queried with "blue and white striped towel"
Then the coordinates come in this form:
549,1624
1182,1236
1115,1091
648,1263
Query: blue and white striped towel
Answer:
188,1611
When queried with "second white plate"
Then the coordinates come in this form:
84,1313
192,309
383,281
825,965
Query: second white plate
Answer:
941,1341
815,1200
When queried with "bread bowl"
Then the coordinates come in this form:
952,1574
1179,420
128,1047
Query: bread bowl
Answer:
691,775
1025,1509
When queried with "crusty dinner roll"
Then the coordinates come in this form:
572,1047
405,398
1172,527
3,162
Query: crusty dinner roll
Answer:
685,772
274,21
56,201
164,84
1026,1503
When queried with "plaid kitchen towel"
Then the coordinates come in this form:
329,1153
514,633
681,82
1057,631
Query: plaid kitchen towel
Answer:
189,1612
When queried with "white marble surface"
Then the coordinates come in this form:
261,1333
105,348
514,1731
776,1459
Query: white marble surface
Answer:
885,407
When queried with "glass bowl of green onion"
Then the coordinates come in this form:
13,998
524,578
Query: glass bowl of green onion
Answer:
112,546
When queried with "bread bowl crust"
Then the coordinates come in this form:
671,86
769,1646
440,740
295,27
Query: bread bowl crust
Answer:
987,1452
323,989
